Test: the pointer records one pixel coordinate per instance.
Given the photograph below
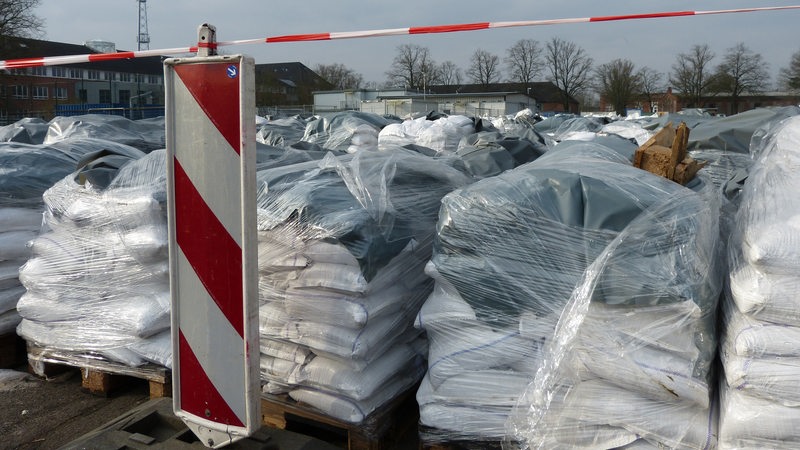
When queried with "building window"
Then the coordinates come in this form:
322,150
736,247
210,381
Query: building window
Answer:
153,79
109,76
126,77
83,95
139,78
105,96
76,73
93,74
59,72
40,93
19,91
61,93
124,96
39,71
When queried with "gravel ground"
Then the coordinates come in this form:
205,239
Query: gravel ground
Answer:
46,414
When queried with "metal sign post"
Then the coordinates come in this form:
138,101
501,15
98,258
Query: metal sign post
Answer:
210,132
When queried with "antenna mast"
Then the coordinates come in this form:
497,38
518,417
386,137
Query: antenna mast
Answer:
144,37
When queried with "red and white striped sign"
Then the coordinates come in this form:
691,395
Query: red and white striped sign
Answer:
213,268
72,59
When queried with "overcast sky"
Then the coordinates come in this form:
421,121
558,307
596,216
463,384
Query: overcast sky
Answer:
653,42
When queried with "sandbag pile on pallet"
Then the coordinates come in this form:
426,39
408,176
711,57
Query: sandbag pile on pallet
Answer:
342,246
760,404
596,276
28,167
97,279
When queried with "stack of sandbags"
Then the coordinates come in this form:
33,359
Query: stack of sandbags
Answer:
97,280
26,171
760,400
596,276
342,246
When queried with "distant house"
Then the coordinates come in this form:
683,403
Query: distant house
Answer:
131,87
282,84
670,102
546,97
471,99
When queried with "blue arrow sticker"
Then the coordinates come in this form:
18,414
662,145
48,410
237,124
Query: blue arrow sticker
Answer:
232,71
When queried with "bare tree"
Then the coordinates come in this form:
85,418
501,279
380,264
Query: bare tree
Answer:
789,77
618,84
524,61
741,72
449,74
691,74
17,18
570,68
484,68
339,75
650,83
412,67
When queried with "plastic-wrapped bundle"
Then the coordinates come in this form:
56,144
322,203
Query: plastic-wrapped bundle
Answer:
489,153
342,246
146,135
25,131
579,128
97,280
597,276
441,135
760,404
349,131
282,132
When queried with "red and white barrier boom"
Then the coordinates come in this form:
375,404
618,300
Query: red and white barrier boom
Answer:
210,131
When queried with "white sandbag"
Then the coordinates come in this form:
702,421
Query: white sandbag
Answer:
464,346
347,311
456,421
748,337
285,350
748,422
768,296
156,349
598,404
477,389
123,355
773,378
366,343
774,246
336,277
276,368
14,245
147,243
332,375
328,252
349,410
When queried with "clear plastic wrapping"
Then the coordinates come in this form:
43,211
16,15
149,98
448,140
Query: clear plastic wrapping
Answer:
342,246
348,131
97,279
760,404
25,131
146,135
594,281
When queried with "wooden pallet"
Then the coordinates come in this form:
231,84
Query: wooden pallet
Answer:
436,439
12,351
99,376
462,445
393,426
